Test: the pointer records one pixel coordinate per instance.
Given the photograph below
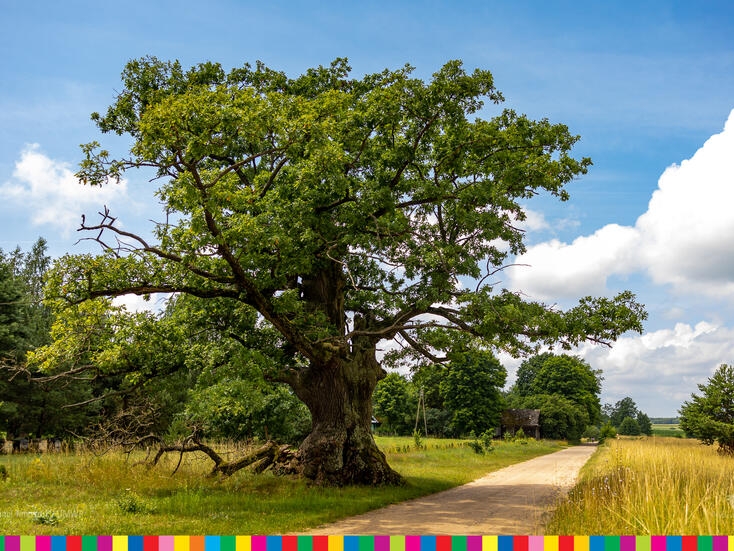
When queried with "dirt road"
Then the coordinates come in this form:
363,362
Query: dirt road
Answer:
513,500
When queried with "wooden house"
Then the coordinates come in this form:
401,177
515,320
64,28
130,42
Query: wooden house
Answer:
526,419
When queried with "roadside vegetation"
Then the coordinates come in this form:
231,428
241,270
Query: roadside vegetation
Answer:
650,486
84,493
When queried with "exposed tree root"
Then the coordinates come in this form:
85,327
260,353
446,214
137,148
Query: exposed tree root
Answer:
280,458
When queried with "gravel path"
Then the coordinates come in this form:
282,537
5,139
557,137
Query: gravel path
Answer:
513,500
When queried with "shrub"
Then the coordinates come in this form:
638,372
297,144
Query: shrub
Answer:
47,518
483,444
708,417
418,440
607,431
131,503
592,432
476,445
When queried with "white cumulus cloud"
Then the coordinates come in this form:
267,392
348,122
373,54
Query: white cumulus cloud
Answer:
51,195
660,370
688,229
534,221
685,239
554,269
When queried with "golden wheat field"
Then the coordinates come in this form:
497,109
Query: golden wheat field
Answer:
651,485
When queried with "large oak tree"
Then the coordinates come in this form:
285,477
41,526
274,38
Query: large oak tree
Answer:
345,212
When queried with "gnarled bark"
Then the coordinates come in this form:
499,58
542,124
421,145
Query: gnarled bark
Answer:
340,449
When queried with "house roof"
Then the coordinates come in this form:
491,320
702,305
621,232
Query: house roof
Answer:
521,417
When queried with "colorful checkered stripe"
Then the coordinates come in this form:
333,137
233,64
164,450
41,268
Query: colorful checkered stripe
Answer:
366,543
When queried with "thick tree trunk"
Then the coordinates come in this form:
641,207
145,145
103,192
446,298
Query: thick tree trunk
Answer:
337,389
340,449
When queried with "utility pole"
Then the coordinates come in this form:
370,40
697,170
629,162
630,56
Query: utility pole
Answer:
421,402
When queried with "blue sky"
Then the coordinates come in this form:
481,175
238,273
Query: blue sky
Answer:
649,87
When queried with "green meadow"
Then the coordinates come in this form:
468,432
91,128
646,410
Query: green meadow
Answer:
672,430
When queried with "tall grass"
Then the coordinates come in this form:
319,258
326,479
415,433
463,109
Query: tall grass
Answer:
88,494
651,486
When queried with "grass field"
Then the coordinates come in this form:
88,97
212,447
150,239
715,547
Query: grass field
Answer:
651,486
672,430
110,494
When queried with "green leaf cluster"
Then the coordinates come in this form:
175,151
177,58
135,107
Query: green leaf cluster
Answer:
471,391
709,416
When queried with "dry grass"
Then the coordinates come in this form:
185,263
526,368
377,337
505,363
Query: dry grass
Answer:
651,486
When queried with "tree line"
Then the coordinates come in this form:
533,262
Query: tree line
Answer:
466,397
99,371
216,386
189,375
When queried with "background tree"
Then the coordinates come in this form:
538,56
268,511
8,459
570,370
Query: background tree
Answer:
13,333
342,212
13,338
643,421
229,354
624,408
29,407
560,418
395,404
527,372
427,379
607,430
566,391
172,374
471,391
572,378
710,415
592,432
629,427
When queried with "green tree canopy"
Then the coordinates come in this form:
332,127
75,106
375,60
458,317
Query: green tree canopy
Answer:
13,334
527,372
27,407
342,211
25,322
562,375
710,415
395,404
428,378
560,417
644,423
572,378
629,427
567,380
625,407
471,391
